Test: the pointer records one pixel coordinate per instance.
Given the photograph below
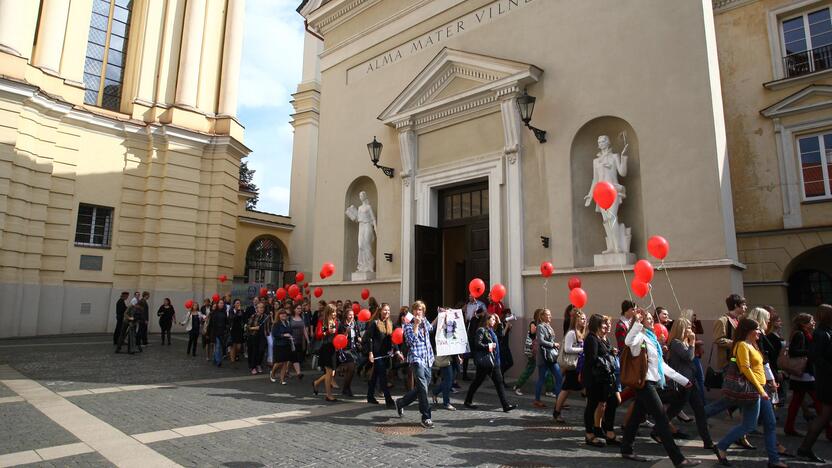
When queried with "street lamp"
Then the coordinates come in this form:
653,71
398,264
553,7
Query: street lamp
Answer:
526,105
374,147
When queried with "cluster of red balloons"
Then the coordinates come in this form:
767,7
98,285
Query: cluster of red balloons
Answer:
643,269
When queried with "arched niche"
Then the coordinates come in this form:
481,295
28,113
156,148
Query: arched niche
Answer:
361,184
587,228
265,259
809,279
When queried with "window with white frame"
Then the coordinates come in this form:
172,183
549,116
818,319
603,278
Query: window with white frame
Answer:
94,226
807,42
815,165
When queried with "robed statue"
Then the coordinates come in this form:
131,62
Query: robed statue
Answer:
607,167
366,219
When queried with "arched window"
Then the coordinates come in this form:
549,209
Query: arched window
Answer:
810,288
264,261
106,52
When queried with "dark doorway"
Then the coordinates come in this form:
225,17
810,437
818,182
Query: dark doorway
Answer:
449,256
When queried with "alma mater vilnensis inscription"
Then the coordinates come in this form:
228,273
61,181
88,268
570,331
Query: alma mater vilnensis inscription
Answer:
461,25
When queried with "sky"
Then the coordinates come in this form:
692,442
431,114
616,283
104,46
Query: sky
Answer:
269,73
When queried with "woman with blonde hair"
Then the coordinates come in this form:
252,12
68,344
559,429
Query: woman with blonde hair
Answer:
327,329
573,346
380,344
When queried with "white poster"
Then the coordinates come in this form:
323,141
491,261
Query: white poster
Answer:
450,333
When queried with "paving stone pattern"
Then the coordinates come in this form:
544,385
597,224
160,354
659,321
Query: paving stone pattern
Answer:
22,427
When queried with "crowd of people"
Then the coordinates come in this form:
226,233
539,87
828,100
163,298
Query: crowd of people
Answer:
642,359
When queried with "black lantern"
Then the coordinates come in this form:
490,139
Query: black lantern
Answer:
525,104
374,147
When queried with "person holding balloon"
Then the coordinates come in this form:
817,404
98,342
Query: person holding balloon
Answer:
193,325
283,346
346,356
380,344
325,333
420,357
573,347
547,357
486,350
218,329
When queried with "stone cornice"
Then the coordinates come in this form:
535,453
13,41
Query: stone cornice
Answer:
336,12
725,5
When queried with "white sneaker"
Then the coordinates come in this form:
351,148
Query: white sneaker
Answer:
517,392
427,423
550,395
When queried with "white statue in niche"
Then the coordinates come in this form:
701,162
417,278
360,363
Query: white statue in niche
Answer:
366,219
607,167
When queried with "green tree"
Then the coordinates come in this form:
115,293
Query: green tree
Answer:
247,184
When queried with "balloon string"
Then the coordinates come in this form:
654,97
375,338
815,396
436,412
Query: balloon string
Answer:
621,265
667,275
652,304
545,292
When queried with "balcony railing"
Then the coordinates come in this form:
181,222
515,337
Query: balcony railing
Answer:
810,61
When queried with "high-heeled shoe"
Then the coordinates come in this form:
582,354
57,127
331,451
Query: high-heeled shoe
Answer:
743,442
722,459
314,389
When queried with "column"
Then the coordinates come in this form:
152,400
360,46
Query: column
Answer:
17,26
232,50
75,41
51,32
187,83
408,146
512,127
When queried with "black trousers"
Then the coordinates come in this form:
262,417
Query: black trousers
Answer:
608,421
496,377
165,331
647,401
256,347
379,377
692,397
141,333
193,337
117,332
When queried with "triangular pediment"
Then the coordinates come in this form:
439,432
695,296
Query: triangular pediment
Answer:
811,98
453,76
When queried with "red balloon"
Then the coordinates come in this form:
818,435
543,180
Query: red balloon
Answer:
323,276
365,294
306,285
355,307
299,277
340,341
658,247
280,294
328,269
298,298
318,292
546,269
639,287
498,292
398,336
574,282
476,287
223,278
188,304
644,271
215,297
294,290
364,315
604,194
264,292
577,297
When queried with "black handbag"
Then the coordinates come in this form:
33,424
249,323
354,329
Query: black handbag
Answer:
484,361
713,379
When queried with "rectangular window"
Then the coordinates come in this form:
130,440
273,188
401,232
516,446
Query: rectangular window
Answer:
94,226
106,50
815,165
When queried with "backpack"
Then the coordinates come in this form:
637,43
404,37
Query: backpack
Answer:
634,368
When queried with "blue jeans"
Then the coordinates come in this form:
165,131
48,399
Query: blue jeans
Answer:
422,376
219,346
758,408
699,377
712,409
447,373
543,368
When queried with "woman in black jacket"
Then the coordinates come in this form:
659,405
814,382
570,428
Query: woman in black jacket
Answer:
217,330
598,374
165,314
487,361
283,346
380,344
801,385
821,355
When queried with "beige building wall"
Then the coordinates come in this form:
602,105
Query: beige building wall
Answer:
588,77
168,171
779,233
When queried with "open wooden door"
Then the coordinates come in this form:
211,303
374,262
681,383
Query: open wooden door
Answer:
429,267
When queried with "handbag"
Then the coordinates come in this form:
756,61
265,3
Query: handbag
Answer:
736,388
567,361
484,361
713,379
795,366
634,368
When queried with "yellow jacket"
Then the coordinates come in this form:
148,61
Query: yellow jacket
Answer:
750,363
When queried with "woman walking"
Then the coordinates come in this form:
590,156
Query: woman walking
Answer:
821,354
193,326
547,357
381,353
256,338
217,330
804,384
598,375
346,357
327,329
301,339
487,361
573,346
237,325
746,353
641,338
166,315
682,344
282,337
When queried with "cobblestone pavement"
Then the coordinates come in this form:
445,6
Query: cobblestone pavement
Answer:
187,412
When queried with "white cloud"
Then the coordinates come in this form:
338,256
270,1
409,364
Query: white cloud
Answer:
270,70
